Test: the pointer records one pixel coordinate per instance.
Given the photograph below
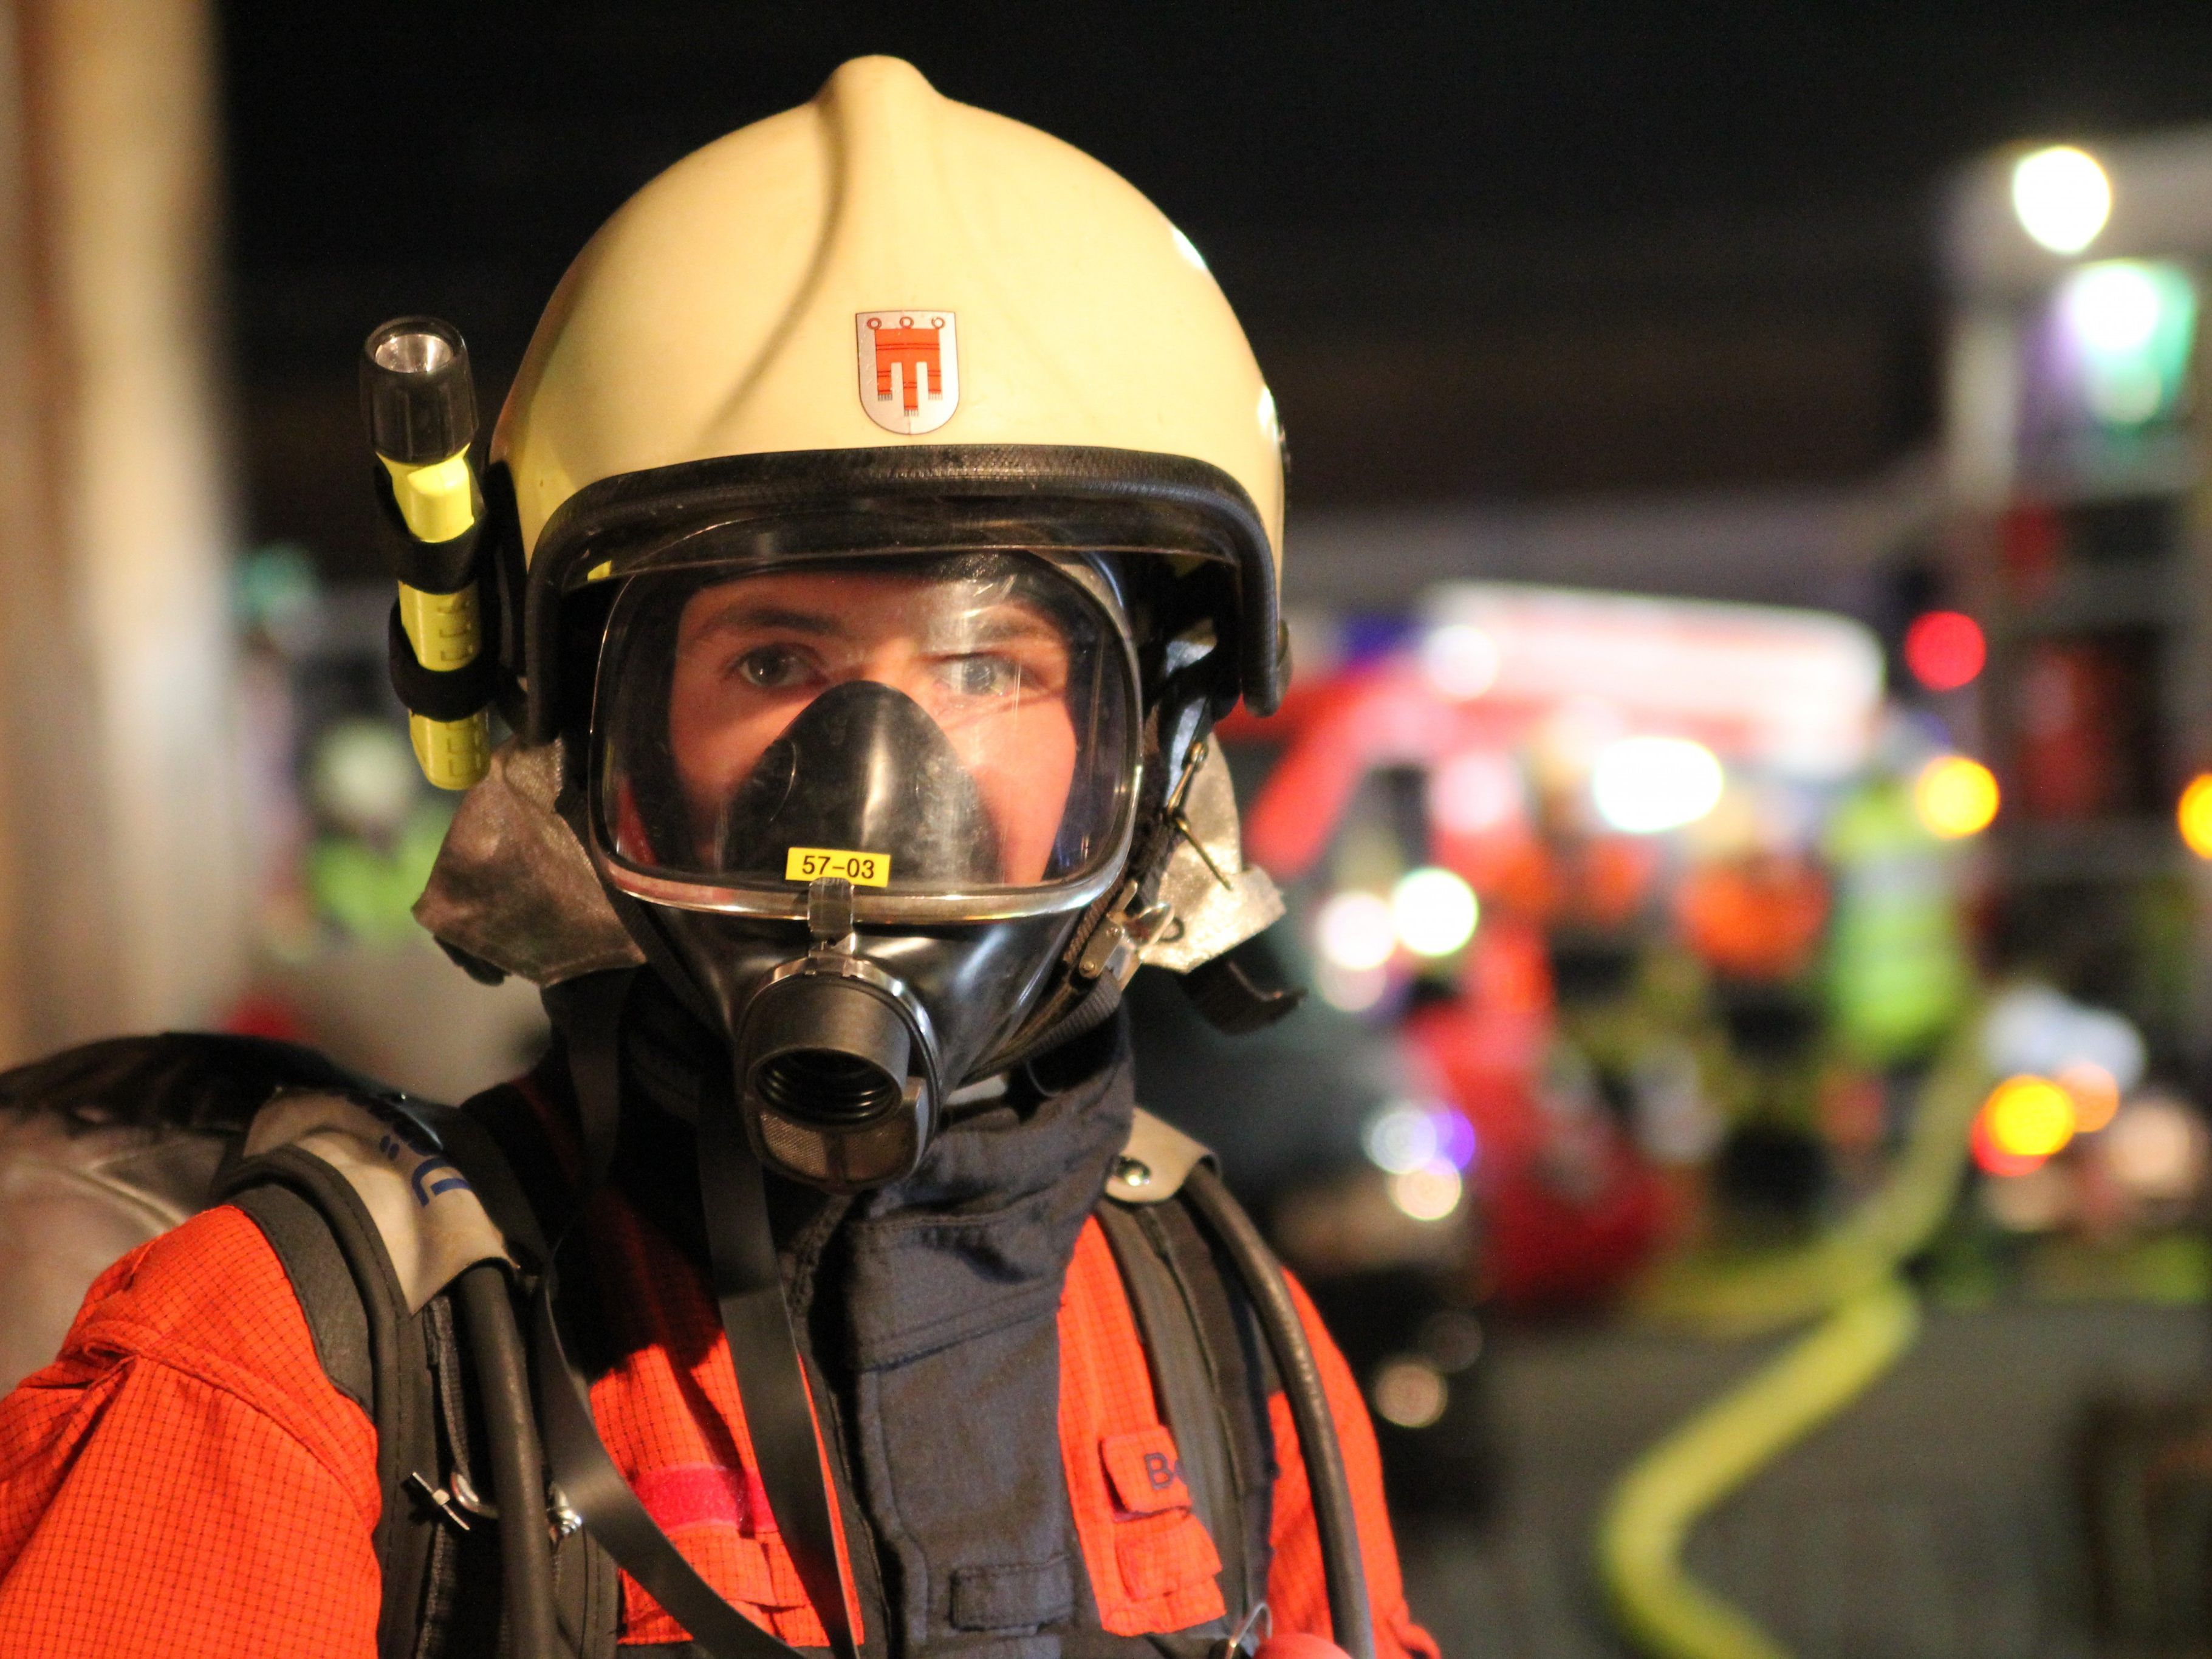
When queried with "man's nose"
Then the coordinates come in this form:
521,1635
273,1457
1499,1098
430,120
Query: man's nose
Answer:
896,664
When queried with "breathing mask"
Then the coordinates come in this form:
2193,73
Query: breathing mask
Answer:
866,799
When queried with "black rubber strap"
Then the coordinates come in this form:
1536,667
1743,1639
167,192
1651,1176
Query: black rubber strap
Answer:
596,1491
1262,1277
438,694
771,1377
590,1016
444,566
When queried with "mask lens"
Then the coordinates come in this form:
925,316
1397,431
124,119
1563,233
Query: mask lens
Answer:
933,726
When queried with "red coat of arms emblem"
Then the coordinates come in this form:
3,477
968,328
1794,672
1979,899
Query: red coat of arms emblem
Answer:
909,369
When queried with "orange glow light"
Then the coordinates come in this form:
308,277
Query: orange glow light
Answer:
1956,797
2028,1117
2195,814
2096,1094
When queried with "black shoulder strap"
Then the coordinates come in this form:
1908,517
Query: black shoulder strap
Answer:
1183,1379
1209,1376
1161,1163
444,1396
323,1285
401,1397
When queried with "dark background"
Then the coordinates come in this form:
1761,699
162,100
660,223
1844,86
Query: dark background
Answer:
1511,252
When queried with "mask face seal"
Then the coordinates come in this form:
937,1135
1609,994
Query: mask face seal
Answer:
929,761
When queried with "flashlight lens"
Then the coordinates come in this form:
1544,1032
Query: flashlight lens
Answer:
413,354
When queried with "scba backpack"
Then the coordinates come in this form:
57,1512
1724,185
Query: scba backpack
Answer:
403,1280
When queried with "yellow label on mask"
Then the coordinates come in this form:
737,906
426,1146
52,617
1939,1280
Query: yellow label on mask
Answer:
861,869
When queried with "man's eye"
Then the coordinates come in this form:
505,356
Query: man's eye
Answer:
772,667
981,676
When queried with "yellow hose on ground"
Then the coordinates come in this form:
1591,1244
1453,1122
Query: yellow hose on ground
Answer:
1738,1299
1850,1275
1649,1517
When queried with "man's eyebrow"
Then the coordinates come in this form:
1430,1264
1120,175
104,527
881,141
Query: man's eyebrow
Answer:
740,613
1005,623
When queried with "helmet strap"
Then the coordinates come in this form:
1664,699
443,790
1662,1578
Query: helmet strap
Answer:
588,1013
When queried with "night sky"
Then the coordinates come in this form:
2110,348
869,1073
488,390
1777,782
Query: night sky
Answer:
1667,247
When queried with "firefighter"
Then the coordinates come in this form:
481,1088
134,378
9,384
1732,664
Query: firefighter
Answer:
892,504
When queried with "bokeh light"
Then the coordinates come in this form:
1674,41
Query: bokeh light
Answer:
1945,649
2194,815
1401,1138
1409,1392
2155,1148
1477,791
1429,1194
2112,307
1456,1137
1353,990
2062,197
2029,1118
1460,661
1956,797
1434,911
2096,1094
2132,322
1641,786
1356,930
363,776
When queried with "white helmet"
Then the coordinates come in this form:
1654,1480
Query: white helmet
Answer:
940,294
879,382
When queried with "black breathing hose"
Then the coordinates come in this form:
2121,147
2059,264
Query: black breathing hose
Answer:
1353,1629
525,1548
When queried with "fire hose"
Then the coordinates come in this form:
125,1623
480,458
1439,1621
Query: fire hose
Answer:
1869,1319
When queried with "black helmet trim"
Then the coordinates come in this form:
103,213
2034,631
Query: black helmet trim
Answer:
1164,503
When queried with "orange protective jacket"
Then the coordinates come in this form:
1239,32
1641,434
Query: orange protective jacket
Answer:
184,1481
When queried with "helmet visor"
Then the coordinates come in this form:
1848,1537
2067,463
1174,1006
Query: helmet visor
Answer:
953,735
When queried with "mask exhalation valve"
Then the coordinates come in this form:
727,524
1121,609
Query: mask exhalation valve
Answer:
828,1052
836,1062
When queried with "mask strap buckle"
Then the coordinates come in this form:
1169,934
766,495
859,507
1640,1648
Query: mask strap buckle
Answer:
829,913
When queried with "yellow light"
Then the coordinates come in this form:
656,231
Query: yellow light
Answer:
2062,197
2029,1118
1956,797
2096,1094
2195,814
